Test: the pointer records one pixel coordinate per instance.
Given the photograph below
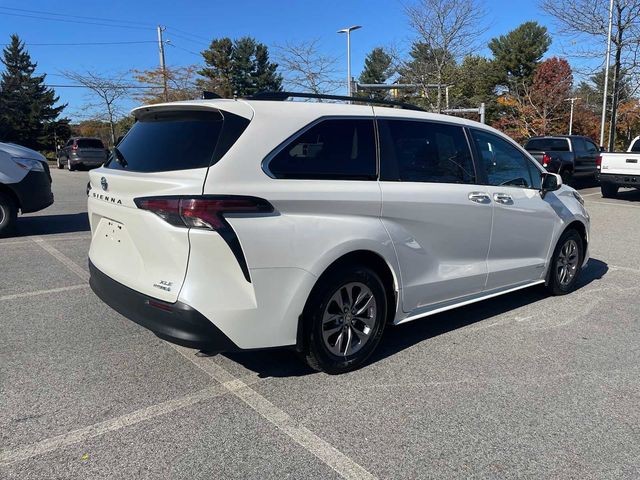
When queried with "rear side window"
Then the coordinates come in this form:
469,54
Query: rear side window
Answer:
636,146
548,144
414,151
178,140
89,143
338,149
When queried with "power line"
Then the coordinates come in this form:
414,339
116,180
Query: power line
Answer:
102,19
122,87
197,42
81,43
199,37
184,49
73,21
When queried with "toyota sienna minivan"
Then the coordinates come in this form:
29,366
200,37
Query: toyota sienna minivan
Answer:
229,225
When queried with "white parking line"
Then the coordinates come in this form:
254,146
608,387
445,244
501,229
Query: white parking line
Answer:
43,292
22,453
327,453
590,194
615,204
27,239
66,261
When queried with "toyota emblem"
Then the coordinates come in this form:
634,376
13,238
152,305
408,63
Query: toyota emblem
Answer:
103,182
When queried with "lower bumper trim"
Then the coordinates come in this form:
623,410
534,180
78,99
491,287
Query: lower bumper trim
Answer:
175,322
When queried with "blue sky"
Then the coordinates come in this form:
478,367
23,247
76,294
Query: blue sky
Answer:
192,24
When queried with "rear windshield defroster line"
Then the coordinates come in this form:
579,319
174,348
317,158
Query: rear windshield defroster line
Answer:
177,140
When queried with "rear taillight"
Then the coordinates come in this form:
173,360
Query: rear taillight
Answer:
207,212
202,212
598,162
546,160
74,147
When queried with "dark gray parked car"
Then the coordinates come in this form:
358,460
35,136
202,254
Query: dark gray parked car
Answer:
82,152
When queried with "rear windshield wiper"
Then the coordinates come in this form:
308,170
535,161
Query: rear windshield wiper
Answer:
119,157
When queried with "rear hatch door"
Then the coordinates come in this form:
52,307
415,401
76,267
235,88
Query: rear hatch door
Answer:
166,153
91,149
621,163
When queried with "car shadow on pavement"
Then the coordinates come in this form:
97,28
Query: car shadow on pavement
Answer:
282,363
52,224
629,195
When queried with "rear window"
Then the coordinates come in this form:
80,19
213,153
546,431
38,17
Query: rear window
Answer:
165,141
548,144
89,143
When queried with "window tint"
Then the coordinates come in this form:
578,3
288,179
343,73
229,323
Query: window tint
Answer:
503,163
579,145
636,146
591,147
332,149
90,143
178,140
548,144
414,151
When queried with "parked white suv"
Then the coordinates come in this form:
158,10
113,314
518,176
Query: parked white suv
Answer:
246,224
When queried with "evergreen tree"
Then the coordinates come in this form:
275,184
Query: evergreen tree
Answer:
377,69
27,113
518,53
239,67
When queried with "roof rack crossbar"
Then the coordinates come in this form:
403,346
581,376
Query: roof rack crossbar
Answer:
281,96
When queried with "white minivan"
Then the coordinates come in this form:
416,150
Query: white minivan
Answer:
246,224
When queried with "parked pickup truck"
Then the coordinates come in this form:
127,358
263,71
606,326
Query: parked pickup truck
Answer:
620,170
571,156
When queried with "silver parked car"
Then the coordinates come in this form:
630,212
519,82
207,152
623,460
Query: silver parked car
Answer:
82,152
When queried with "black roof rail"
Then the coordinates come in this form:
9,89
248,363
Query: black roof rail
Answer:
281,96
209,95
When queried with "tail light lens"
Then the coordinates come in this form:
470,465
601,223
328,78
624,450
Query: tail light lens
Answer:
207,213
74,146
598,162
202,212
546,160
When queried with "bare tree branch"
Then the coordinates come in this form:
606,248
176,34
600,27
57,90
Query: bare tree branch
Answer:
306,69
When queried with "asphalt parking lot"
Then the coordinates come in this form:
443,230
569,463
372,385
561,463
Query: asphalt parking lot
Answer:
525,385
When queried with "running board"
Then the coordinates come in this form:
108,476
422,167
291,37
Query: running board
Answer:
450,305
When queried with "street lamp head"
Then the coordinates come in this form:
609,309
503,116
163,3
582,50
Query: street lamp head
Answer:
349,29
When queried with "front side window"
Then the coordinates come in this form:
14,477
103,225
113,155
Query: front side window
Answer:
336,149
503,163
415,151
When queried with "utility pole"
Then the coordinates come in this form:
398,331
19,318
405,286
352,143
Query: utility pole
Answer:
606,76
163,67
348,31
572,100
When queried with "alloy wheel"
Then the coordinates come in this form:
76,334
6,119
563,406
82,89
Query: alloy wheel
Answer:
349,319
567,262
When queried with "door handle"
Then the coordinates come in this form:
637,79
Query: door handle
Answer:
480,197
503,198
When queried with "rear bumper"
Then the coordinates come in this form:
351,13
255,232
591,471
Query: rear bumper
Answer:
33,191
175,322
86,161
620,180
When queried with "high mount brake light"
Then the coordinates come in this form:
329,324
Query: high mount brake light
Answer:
202,212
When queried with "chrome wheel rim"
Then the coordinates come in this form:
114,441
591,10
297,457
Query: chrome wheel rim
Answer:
567,263
349,319
1,213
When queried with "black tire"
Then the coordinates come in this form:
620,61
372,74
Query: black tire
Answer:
8,214
608,190
555,285
316,352
60,164
70,167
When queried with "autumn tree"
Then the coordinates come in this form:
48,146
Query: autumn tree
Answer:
181,84
238,67
541,108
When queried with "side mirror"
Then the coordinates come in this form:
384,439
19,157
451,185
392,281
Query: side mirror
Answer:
550,183
602,149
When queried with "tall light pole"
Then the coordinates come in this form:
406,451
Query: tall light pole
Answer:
572,100
348,32
163,67
606,76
